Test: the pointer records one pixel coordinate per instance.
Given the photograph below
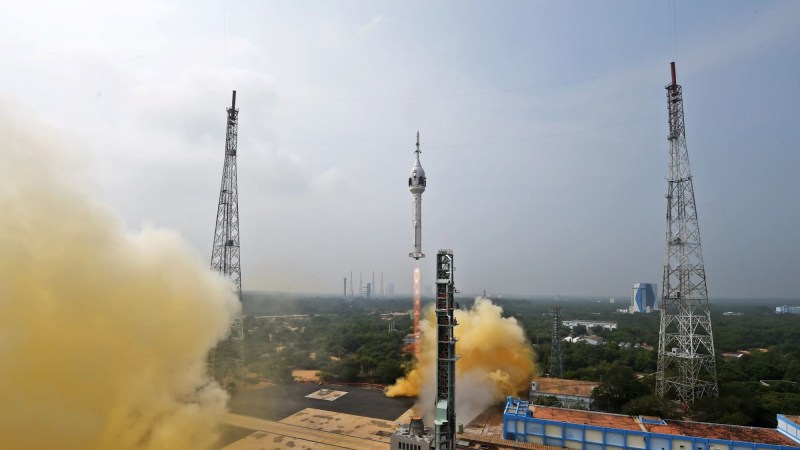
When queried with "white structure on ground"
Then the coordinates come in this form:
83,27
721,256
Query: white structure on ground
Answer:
589,324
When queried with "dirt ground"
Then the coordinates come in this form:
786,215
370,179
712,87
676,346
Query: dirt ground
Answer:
306,375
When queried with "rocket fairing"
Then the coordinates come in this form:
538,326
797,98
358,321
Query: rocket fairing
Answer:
416,184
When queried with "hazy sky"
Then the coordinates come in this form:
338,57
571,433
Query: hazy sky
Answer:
543,132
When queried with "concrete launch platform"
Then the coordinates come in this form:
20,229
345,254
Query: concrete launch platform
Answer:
278,402
312,429
291,418
312,416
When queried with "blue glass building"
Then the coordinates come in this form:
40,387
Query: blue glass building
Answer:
643,298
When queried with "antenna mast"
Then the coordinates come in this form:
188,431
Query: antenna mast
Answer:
556,359
686,366
225,257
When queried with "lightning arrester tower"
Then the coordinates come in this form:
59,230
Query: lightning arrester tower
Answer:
556,359
225,253
686,366
445,420
416,184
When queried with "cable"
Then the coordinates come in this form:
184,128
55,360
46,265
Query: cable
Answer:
472,144
544,136
225,41
674,34
437,97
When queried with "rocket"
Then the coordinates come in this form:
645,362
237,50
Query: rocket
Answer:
416,184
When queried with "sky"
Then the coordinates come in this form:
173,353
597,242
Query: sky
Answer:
543,133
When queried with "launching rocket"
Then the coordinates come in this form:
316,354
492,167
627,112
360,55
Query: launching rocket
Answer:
416,184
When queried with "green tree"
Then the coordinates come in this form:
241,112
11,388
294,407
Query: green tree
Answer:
736,418
619,386
650,405
549,400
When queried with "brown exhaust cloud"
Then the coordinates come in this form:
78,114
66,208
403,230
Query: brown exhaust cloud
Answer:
103,332
496,360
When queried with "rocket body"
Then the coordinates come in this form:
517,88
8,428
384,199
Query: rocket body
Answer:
416,243
416,184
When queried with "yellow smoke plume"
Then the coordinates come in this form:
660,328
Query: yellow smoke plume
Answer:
496,360
103,333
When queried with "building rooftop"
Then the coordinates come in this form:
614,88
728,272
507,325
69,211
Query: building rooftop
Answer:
565,387
727,432
673,427
585,418
794,419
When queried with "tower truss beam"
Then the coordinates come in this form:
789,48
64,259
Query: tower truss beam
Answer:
225,253
556,359
686,359
445,420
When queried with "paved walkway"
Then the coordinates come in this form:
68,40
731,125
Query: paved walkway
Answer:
276,435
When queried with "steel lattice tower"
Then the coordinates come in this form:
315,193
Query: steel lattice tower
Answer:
445,420
556,360
686,366
225,257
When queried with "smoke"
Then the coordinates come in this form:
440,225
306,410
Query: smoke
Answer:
103,333
496,360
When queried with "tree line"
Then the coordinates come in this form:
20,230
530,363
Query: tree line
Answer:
346,340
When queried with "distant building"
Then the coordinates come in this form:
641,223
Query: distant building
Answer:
589,324
786,309
569,428
591,340
570,393
643,298
390,290
393,315
595,340
632,345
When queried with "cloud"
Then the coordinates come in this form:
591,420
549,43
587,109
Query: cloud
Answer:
331,96
329,181
371,27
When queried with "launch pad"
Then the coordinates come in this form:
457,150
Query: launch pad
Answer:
281,401
318,429
326,394
312,416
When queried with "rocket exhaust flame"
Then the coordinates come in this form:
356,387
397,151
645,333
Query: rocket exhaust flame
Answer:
416,311
104,333
496,360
